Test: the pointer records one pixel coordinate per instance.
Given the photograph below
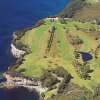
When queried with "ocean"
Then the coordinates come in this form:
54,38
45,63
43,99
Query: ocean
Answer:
19,14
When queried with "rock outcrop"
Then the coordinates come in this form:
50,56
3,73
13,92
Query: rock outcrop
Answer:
16,52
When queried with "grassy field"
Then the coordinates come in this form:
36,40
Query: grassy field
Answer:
61,52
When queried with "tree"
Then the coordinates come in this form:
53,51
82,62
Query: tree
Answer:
52,30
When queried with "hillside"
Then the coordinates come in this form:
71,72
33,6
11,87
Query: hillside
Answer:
61,43
82,10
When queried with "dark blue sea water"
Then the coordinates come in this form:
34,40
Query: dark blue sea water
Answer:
19,14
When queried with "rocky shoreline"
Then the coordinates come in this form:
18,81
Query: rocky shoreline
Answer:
28,83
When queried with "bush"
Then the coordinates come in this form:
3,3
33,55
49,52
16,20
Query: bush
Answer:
48,80
77,40
97,91
83,70
61,72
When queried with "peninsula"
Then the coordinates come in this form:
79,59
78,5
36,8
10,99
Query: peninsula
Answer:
60,56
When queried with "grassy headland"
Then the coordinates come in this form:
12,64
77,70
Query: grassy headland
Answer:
54,43
64,53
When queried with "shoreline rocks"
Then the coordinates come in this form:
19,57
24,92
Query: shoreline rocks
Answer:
12,82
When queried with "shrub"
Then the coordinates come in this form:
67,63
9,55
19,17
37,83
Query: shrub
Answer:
48,80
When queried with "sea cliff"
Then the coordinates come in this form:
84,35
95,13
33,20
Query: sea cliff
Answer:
16,52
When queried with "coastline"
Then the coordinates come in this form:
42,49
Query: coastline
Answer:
17,80
17,52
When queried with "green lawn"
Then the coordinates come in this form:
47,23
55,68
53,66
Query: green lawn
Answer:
37,40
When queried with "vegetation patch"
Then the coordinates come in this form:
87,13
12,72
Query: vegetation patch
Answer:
55,55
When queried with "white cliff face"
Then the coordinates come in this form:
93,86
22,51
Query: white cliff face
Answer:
16,52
